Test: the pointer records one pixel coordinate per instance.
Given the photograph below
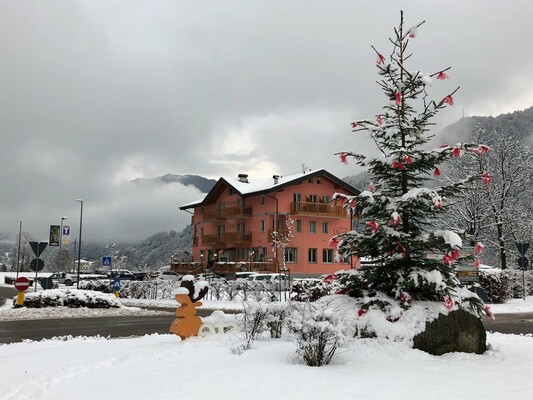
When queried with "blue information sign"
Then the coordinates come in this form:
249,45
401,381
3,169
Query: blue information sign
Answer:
106,261
116,284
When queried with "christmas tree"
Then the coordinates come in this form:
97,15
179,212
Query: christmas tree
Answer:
398,212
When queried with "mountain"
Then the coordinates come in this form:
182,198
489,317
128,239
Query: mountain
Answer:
155,251
204,185
518,124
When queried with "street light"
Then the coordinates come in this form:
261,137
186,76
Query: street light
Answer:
18,253
60,243
79,243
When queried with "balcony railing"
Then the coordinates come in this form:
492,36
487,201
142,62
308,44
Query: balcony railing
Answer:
239,237
210,214
238,211
317,209
228,237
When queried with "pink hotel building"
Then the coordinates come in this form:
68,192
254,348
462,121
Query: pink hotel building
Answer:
233,224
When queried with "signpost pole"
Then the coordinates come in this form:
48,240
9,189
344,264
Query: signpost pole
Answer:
36,271
523,263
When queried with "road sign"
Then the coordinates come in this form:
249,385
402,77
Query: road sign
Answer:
22,283
106,261
36,264
522,248
116,284
523,262
38,247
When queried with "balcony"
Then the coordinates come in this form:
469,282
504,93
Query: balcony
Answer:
211,214
213,239
317,209
239,237
238,212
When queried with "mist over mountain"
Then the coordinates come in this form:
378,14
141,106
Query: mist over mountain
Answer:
204,185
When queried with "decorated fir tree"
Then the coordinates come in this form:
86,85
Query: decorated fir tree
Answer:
415,260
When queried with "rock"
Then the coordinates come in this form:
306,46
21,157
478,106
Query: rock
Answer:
457,331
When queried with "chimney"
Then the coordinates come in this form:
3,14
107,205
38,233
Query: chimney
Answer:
243,178
276,177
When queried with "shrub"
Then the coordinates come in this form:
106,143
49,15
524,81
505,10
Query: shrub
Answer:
69,298
318,331
311,290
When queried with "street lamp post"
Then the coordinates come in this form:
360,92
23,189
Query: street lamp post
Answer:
18,253
79,243
60,243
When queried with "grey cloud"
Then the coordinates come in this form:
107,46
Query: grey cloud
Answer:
96,93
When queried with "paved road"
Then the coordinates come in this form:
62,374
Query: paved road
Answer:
16,331
511,323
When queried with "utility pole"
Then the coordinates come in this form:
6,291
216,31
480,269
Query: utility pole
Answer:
18,254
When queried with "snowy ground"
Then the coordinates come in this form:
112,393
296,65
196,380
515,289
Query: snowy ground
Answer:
164,367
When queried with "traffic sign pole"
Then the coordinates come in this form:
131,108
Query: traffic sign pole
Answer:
38,248
523,263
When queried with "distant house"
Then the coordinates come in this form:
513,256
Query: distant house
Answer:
234,222
84,265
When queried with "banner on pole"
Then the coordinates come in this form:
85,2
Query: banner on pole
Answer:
54,235
65,237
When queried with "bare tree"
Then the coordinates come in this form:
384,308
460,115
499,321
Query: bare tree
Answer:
500,210
280,240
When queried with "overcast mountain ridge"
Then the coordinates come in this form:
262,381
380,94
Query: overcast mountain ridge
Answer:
518,124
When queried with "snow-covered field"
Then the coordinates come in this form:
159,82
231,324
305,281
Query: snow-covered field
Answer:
164,367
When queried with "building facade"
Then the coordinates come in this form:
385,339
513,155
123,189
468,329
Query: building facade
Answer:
235,224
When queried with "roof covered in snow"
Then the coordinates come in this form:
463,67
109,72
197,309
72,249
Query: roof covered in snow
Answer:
245,186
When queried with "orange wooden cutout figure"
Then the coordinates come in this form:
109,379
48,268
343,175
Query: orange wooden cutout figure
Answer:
187,323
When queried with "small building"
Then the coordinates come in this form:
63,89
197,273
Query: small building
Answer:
234,224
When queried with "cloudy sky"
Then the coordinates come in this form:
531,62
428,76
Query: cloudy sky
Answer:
96,93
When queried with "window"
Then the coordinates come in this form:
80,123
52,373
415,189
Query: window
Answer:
326,199
291,254
327,256
263,199
313,198
325,227
311,255
318,181
297,197
231,191
262,225
202,231
310,180
298,224
312,226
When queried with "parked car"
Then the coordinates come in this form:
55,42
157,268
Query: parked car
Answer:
123,274
210,277
171,275
242,276
63,278
276,281
139,275
281,281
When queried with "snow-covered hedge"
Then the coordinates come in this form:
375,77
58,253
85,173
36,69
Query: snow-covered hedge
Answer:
154,290
501,285
69,298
